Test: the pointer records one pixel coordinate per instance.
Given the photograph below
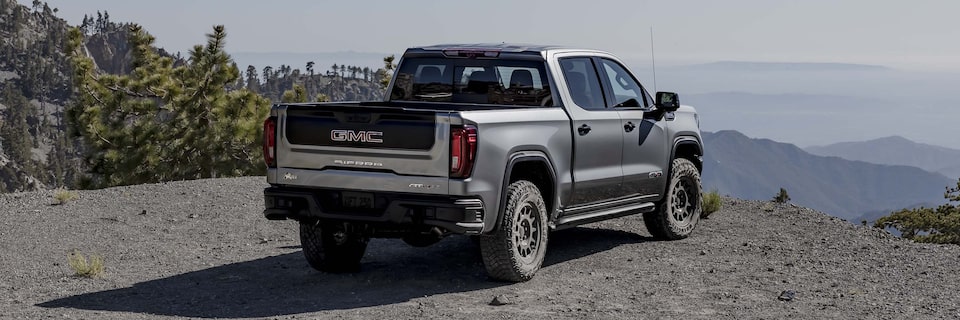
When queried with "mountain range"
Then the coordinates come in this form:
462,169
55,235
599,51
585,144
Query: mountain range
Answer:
748,168
896,150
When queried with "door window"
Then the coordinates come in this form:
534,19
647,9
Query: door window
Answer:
583,83
622,83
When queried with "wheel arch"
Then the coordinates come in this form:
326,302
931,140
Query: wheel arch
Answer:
690,148
533,166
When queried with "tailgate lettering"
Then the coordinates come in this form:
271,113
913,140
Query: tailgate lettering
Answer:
356,136
360,163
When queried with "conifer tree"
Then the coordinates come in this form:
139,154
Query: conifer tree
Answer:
162,123
15,129
295,95
386,72
782,196
940,225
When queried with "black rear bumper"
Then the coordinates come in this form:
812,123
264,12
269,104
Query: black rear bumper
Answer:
390,210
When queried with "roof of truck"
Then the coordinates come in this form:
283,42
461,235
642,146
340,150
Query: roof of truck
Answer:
502,47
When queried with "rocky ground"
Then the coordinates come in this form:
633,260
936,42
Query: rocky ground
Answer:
202,249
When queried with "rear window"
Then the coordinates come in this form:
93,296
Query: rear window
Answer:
481,81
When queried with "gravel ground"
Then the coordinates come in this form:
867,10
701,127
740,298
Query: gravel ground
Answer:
202,249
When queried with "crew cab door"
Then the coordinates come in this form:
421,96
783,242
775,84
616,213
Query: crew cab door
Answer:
597,136
646,157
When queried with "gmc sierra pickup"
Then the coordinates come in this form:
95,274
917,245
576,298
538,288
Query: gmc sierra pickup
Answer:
501,142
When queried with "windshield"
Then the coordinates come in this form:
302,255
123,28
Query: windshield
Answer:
480,81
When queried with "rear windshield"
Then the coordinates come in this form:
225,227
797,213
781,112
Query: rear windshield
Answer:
481,81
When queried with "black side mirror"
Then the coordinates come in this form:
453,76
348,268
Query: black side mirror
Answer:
668,101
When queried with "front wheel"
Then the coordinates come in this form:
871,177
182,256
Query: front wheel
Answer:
515,251
678,213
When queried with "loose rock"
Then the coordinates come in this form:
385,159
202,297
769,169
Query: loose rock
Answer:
500,300
787,295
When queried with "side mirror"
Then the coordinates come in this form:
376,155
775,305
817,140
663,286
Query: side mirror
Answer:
668,101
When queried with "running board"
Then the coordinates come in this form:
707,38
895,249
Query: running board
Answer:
600,215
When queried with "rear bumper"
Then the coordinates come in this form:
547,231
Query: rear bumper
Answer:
455,214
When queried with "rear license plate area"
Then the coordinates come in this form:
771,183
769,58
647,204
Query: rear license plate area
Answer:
357,200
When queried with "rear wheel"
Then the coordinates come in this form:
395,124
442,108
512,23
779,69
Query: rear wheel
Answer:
515,251
332,247
679,212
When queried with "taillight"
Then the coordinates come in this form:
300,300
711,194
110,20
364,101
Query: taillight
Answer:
270,142
463,151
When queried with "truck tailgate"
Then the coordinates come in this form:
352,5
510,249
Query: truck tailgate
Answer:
351,145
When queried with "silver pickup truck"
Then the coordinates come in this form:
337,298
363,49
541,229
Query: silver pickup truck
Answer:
502,142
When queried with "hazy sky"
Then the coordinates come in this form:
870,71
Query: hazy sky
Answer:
920,34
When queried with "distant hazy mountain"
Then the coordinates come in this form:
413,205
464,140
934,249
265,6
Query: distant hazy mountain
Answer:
896,150
815,103
785,66
756,168
953,171
801,118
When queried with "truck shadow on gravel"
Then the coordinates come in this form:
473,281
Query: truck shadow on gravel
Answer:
284,284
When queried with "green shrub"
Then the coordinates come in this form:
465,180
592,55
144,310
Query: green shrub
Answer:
83,266
782,196
711,202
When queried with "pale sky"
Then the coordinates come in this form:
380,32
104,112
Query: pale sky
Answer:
920,34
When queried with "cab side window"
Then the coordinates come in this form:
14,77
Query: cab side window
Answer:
622,83
583,83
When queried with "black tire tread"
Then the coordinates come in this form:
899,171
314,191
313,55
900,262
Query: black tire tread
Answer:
657,222
323,254
497,249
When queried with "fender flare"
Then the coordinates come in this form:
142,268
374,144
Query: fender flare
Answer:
687,140
520,157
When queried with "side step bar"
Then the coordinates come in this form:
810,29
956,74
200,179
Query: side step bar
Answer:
603,214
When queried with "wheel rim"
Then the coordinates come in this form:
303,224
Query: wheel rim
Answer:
683,200
526,232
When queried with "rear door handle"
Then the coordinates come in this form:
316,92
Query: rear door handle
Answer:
583,130
629,126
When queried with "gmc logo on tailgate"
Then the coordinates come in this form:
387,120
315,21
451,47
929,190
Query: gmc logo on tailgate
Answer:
356,136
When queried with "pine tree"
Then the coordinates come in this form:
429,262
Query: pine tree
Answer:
15,129
385,73
782,196
253,83
940,225
297,94
161,122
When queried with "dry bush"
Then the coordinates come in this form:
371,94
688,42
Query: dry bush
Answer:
62,196
83,266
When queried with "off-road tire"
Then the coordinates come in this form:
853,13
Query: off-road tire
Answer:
332,247
515,251
679,212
